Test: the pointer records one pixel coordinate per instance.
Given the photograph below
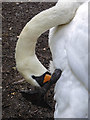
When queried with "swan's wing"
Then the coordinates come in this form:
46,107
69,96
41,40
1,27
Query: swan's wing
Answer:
77,47
69,47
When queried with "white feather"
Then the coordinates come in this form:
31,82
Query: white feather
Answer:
69,47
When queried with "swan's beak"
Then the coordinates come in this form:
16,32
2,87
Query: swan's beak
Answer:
37,97
43,79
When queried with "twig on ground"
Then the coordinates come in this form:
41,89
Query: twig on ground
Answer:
17,82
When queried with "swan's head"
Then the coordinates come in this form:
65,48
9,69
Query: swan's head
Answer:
43,79
31,69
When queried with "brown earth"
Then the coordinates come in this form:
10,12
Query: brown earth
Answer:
15,16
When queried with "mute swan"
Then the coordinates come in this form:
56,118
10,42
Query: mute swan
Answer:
68,40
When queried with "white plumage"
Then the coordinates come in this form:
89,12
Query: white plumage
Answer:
69,46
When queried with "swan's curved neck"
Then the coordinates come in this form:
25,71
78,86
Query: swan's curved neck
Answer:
26,60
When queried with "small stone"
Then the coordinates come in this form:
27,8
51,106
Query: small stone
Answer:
44,48
17,3
13,93
10,28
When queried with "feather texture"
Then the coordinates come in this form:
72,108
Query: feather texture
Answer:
69,47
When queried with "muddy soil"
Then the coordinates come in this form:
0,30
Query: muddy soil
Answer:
14,18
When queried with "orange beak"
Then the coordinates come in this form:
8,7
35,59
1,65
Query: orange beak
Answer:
47,78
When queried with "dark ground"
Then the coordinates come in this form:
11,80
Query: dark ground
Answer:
15,16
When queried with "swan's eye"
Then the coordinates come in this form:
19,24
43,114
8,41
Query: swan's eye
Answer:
33,76
47,78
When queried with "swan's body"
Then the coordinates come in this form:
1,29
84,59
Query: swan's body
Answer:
69,47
